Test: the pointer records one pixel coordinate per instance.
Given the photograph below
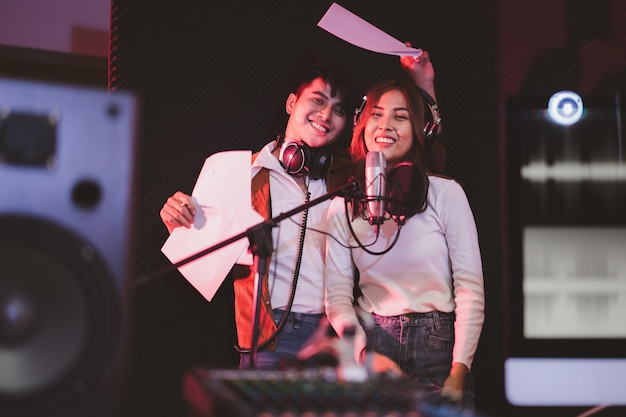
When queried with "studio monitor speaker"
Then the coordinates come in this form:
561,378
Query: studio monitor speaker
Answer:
66,179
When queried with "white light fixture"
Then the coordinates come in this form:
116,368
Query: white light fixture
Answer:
565,107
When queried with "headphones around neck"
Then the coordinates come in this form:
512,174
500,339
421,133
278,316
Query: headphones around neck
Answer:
300,159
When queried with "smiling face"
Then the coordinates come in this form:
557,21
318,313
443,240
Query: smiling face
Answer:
388,128
315,116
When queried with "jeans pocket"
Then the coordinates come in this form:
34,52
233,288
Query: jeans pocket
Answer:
439,356
437,342
286,328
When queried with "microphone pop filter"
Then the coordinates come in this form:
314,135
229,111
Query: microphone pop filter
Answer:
407,187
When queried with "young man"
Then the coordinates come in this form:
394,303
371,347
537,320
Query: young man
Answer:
286,173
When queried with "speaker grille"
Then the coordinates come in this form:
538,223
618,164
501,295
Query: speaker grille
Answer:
60,315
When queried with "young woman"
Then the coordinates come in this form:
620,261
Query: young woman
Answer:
421,302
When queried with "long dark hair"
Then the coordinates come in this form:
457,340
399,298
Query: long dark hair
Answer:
417,153
413,197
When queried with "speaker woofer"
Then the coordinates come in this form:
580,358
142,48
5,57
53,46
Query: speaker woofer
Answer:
60,316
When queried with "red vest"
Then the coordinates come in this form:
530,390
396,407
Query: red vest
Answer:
244,277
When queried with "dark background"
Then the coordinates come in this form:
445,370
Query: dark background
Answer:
211,76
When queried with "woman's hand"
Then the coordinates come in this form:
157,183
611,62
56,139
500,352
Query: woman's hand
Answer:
421,70
381,364
453,385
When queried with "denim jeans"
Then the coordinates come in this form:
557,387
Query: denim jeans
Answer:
293,336
421,344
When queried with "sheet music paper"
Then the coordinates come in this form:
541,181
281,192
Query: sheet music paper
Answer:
222,195
351,28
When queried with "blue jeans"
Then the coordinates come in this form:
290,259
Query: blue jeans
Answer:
293,336
421,344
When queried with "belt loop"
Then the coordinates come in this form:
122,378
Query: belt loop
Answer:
437,319
297,319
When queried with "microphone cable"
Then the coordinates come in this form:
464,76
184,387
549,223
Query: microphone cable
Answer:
364,247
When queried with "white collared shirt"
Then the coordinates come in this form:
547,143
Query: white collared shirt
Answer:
287,195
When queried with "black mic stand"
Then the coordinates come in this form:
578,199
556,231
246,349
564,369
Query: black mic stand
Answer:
261,246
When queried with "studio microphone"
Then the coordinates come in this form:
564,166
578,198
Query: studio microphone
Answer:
375,186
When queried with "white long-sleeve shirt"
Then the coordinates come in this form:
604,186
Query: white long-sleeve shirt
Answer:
435,265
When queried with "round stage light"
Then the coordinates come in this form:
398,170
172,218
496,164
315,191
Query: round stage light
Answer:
565,107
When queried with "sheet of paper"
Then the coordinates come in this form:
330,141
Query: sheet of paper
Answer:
222,193
352,29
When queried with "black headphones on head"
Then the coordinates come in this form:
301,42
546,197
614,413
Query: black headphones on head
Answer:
300,159
432,120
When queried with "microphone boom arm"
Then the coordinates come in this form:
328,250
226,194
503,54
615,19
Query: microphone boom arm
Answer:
261,246
351,186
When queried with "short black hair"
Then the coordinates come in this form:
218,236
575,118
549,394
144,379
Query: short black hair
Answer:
332,75
340,82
